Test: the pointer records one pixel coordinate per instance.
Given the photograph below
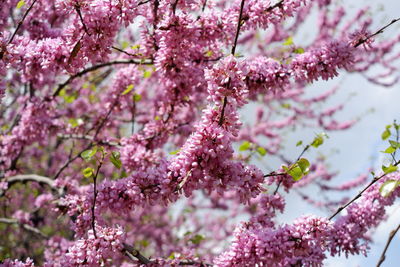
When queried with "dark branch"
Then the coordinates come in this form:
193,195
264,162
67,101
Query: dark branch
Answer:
383,255
25,226
96,67
376,179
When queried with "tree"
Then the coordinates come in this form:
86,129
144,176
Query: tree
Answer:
122,143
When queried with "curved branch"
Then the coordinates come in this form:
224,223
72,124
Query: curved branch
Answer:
95,67
376,179
23,178
391,236
25,226
134,254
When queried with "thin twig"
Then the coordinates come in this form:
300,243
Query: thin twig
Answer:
381,30
25,226
95,67
134,254
21,21
87,137
280,181
95,194
376,179
70,160
383,255
23,178
221,118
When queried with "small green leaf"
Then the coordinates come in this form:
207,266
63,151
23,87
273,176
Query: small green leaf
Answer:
299,50
88,154
70,98
388,187
299,143
20,4
298,169
288,41
124,44
114,158
137,97
386,134
157,118
319,140
144,243
295,172
128,89
304,165
88,172
174,152
261,151
147,74
389,150
209,53
286,105
197,239
389,169
245,146
172,256
134,47
394,144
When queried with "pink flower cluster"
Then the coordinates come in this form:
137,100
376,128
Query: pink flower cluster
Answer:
93,251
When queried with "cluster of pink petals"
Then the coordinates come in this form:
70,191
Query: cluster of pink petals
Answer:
307,239
94,251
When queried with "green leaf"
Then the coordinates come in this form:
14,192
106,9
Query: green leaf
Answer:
133,47
388,187
174,152
20,4
172,256
261,151
319,140
70,98
88,172
88,154
144,243
157,118
245,146
295,172
298,169
286,105
124,44
299,143
299,50
288,41
394,144
389,169
197,239
304,165
389,150
386,134
147,74
114,158
137,97
209,53
128,89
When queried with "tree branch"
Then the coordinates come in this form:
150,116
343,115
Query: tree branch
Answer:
23,178
376,179
96,67
21,21
381,30
134,254
88,137
25,226
221,118
383,255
